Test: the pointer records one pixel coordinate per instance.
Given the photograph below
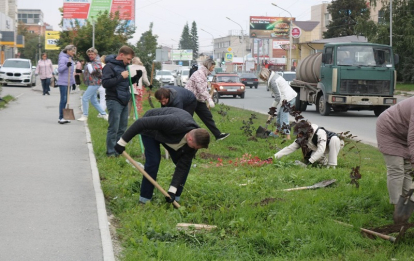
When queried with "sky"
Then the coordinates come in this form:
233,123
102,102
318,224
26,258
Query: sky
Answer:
170,16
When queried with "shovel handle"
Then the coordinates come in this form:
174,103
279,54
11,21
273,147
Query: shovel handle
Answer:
386,237
299,188
147,176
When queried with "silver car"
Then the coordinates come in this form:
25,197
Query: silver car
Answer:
165,77
18,72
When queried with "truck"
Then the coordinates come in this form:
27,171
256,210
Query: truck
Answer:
347,76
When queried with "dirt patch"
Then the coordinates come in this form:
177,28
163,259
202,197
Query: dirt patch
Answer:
205,155
232,148
116,244
267,201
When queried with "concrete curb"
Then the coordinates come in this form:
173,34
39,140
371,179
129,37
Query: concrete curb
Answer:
107,248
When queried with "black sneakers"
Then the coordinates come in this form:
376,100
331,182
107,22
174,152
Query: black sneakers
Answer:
63,121
222,136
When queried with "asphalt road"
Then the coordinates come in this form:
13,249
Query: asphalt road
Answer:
359,123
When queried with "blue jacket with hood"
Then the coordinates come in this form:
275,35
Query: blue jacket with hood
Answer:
64,70
117,88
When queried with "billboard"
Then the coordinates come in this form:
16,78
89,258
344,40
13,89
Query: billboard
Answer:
182,55
51,38
269,27
78,11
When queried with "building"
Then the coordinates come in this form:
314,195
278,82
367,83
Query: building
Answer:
33,19
9,40
236,43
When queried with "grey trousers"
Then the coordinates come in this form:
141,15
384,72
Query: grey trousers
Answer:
398,176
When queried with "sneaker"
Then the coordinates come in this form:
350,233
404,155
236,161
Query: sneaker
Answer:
63,121
103,116
222,136
83,118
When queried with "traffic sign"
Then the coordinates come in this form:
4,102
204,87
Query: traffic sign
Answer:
229,49
296,32
228,57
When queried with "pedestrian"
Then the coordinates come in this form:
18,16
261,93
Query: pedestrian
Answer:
92,78
395,132
44,69
193,69
177,131
116,83
178,97
101,90
197,84
318,144
281,90
66,79
78,73
138,87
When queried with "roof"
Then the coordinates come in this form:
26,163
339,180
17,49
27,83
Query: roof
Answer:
343,39
306,25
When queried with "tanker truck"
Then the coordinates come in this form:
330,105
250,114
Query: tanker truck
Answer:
347,76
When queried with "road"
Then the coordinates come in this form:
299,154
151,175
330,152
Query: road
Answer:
359,123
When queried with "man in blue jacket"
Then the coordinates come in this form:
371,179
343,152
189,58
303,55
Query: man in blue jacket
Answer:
177,131
178,97
115,81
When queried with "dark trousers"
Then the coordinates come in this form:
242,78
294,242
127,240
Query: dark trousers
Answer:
45,85
63,99
118,123
205,116
152,164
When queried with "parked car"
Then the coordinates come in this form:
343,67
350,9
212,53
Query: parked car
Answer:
18,72
228,84
182,77
288,76
249,79
165,77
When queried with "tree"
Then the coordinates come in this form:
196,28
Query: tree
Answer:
344,17
194,40
145,48
185,40
110,34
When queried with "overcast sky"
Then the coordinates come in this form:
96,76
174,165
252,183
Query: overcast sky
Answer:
170,16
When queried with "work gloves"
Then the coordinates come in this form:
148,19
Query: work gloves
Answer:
120,146
69,64
211,103
137,76
150,87
171,192
272,111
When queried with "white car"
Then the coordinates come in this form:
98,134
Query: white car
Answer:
182,77
288,76
18,72
164,77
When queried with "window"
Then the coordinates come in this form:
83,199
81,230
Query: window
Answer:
24,15
30,16
328,55
36,16
381,19
326,19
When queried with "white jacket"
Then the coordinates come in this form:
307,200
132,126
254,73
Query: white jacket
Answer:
280,89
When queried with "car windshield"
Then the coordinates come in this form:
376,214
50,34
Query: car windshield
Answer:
248,75
185,72
289,76
228,79
164,73
363,56
16,64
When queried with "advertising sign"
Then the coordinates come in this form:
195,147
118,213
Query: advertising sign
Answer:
51,38
269,27
182,55
78,11
296,32
279,44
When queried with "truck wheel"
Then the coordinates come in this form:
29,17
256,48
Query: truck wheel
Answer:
303,105
322,106
379,109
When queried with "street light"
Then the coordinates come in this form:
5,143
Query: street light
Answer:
290,36
40,32
242,40
212,37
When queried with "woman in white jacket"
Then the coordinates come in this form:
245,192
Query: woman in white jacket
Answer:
281,90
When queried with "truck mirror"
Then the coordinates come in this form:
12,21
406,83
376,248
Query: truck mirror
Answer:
396,59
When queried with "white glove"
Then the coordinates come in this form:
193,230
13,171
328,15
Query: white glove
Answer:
90,68
211,103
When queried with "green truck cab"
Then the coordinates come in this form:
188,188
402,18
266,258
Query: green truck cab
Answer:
347,76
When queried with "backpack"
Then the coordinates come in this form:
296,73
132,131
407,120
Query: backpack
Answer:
329,135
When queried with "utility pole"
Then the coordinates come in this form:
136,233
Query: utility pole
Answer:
243,47
289,64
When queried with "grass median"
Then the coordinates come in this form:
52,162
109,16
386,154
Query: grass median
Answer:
231,187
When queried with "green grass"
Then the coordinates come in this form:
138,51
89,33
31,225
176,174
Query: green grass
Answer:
295,225
405,87
5,100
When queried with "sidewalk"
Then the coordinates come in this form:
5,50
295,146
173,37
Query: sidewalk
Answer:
52,205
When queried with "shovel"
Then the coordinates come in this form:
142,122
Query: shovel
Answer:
147,176
149,92
404,207
321,184
68,113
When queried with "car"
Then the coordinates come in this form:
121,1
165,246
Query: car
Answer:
164,77
249,79
228,84
18,71
182,77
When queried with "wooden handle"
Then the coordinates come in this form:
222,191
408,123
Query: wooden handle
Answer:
300,188
386,237
147,176
67,100
152,73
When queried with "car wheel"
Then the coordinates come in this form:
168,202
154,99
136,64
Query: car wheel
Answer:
234,96
251,87
34,83
255,87
242,96
216,98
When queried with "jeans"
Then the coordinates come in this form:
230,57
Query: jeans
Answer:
283,118
90,94
63,99
118,122
151,166
207,118
45,85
